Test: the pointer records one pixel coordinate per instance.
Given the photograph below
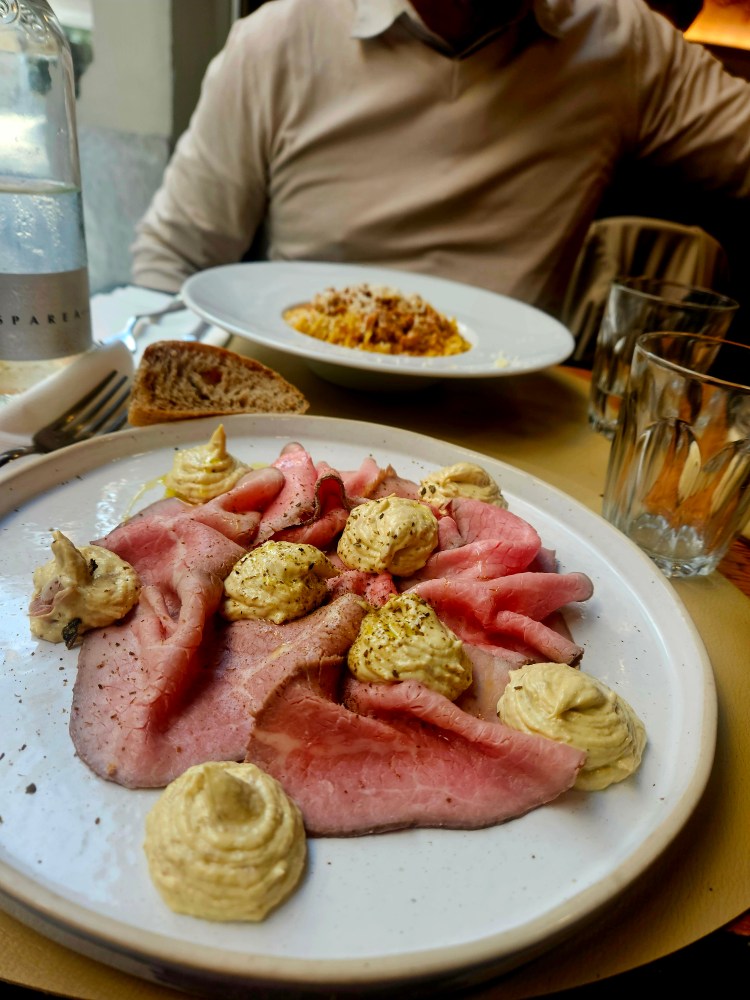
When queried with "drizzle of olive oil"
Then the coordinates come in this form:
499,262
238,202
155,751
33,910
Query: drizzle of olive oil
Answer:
152,484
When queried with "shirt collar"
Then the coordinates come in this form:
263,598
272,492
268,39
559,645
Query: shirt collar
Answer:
373,17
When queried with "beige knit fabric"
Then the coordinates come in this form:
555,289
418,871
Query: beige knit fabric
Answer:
383,150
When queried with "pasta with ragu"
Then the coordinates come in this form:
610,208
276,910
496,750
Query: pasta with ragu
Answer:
378,319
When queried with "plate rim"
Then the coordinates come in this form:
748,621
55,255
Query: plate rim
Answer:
499,951
375,365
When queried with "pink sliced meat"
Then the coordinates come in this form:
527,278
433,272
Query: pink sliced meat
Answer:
145,537
295,503
163,551
331,506
399,755
249,656
477,520
321,532
218,530
319,502
362,481
535,641
375,588
154,696
534,594
509,611
392,484
330,493
237,513
449,535
134,677
483,559
173,684
315,644
490,672
370,482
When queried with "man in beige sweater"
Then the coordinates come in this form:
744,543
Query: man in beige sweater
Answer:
470,140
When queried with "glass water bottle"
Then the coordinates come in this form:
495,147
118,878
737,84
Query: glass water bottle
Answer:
44,290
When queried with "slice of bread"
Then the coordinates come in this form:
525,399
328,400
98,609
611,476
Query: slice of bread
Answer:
183,380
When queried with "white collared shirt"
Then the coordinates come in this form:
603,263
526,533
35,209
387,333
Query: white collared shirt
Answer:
373,17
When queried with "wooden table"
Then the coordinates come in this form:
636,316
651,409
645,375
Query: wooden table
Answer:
537,423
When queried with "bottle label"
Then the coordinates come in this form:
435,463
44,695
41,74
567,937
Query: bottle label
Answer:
44,315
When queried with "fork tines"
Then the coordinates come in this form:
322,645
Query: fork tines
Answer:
91,413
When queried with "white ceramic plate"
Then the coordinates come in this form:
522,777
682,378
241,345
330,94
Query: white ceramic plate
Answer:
507,336
372,910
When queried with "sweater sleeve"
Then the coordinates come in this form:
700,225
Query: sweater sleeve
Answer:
693,116
213,194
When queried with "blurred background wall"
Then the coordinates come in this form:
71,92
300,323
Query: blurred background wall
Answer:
139,65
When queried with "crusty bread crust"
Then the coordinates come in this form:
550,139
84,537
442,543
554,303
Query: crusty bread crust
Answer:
184,380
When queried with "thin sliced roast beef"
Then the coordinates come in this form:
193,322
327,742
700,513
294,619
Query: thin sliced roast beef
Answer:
313,504
212,534
154,697
490,671
398,755
480,541
509,612
362,481
174,684
375,588
483,559
319,532
295,502
135,677
477,520
370,482
394,485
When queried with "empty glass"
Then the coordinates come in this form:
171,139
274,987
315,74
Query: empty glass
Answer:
646,305
678,480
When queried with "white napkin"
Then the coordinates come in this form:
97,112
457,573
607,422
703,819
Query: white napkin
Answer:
22,417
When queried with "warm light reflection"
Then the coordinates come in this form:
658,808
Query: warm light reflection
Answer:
718,24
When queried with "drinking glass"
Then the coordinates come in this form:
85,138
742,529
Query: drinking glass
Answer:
646,305
678,479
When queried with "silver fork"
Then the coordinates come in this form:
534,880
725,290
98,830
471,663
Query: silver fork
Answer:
128,335
100,411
